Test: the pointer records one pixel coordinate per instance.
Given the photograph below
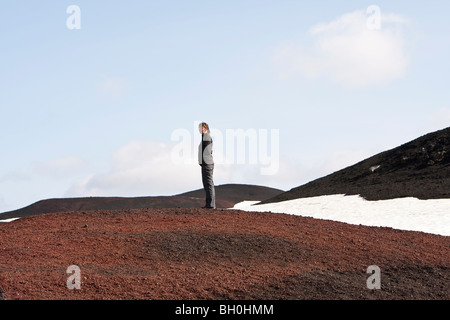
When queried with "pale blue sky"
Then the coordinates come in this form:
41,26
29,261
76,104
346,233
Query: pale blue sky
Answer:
75,101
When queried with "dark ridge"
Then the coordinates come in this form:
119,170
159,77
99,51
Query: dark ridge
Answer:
419,168
226,197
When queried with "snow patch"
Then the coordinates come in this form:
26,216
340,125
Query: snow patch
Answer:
8,220
431,216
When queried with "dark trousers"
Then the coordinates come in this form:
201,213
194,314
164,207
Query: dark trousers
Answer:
208,185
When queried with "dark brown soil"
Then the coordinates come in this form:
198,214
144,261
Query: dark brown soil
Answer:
215,254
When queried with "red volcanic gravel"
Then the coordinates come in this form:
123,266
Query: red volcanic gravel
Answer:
215,254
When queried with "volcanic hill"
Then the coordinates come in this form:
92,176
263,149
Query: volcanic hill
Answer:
227,196
420,168
172,253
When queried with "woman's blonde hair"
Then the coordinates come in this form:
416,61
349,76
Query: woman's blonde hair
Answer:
204,125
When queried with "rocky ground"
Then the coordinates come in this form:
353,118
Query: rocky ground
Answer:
215,254
187,253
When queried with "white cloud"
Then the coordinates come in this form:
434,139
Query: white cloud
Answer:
140,168
348,52
150,168
60,167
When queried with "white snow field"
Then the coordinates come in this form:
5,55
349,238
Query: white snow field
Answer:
431,216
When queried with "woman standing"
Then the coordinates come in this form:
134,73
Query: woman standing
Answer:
205,159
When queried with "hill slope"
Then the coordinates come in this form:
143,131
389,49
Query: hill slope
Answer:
226,197
215,254
237,192
420,168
